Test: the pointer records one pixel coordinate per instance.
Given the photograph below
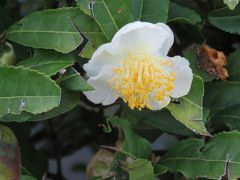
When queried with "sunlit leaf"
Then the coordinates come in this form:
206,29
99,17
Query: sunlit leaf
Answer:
56,29
190,111
231,3
26,90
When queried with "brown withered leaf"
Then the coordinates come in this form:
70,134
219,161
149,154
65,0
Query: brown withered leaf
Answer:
212,62
100,164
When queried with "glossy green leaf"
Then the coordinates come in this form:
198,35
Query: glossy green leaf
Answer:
190,111
26,90
209,160
69,100
133,144
112,15
220,95
191,55
48,62
226,20
56,29
9,155
72,80
233,66
140,169
155,11
182,14
49,29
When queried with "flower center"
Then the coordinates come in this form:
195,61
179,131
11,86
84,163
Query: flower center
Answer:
141,77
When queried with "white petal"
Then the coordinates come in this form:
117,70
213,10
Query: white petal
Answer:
104,55
103,93
184,76
144,38
167,44
157,105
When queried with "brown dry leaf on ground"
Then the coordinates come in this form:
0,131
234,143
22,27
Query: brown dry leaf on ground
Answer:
212,61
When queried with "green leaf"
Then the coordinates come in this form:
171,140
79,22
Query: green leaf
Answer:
72,80
229,116
56,29
226,20
220,95
155,11
133,144
69,100
220,154
26,177
182,14
137,6
233,66
159,169
47,62
48,29
9,154
26,90
162,120
190,111
24,116
84,5
191,55
231,3
140,169
112,15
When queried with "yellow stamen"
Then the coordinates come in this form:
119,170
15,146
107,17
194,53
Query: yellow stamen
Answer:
142,76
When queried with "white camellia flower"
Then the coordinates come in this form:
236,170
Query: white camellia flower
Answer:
136,68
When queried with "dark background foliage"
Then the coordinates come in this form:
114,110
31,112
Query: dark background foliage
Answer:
58,144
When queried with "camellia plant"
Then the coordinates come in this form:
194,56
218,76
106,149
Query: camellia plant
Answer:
150,86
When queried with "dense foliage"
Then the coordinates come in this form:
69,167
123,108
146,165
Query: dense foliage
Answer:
44,115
